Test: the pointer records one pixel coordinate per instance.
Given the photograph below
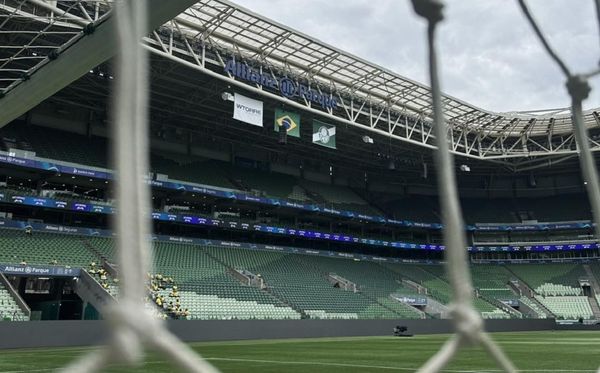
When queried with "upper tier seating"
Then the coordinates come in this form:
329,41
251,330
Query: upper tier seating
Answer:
568,207
104,246
415,208
342,197
299,194
201,171
43,248
60,145
489,211
497,210
272,184
76,148
333,193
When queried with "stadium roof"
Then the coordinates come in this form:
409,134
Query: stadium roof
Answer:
210,32
257,37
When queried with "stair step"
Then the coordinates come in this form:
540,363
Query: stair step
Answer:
595,290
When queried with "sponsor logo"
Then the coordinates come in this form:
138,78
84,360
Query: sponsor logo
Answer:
286,86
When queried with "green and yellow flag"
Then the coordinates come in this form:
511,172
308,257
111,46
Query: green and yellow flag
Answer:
288,120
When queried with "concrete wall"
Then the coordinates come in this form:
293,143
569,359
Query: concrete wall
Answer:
81,333
594,327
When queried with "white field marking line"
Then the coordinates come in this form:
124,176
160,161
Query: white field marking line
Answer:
338,365
308,363
29,351
75,349
433,338
561,338
49,353
54,369
384,366
519,338
69,351
56,351
596,343
426,339
65,354
299,340
75,352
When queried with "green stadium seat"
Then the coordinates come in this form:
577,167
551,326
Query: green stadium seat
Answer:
9,310
551,279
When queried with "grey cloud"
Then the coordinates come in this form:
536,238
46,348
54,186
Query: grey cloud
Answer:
490,55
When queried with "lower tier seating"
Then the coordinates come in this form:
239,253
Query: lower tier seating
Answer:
209,292
9,310
567,307
297,281
212,307
433,278
495,314
551,279
299,285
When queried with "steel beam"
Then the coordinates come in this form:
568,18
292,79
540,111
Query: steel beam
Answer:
87,53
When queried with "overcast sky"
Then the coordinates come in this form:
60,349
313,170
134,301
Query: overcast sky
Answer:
490,57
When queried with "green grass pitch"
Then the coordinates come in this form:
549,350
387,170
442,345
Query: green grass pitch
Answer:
531,351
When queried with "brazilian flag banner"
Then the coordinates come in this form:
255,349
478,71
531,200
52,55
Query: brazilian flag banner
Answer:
323,134
288,120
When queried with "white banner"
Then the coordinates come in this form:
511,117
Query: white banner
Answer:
248,110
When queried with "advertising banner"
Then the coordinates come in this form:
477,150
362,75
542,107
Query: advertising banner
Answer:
248,110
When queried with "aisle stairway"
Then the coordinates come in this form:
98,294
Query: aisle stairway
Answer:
433,278
528,297
595,291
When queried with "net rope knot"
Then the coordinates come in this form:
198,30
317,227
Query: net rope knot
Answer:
468,323
129,329
432,10
578,87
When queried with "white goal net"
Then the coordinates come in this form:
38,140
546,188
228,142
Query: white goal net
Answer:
132,328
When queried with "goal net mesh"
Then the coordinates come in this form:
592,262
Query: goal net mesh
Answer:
132,327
